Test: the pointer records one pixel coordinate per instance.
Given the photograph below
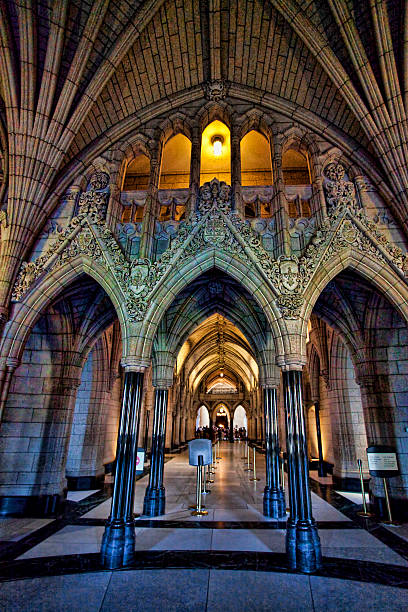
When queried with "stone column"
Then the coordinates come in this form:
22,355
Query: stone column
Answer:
302,539
280,212
7,369
319,200
151,211
155,498
236,170
195,168
274,504
118,542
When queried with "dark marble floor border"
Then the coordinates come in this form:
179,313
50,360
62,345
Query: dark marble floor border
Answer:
169,524
349,509
345,569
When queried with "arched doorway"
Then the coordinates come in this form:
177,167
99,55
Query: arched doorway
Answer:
221,417
203,417
240,422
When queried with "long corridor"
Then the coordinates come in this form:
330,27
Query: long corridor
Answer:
210,556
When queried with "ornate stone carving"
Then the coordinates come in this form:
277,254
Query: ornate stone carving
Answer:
289,273
338,191
216,90
290,305
99,180
215,225
214,194
94,204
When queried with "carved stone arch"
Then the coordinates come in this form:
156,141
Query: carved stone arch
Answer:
29,309
127,149
190,270
256,120
380,275
303,141
215,408
176,123
213,111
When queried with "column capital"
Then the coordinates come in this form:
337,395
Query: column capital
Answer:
9,363
269,382
135,364
289,363
163,384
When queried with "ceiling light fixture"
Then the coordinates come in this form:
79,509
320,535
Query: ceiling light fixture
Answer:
217,142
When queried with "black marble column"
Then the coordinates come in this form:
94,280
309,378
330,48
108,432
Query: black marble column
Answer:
302,539
274,504
155,498
118,542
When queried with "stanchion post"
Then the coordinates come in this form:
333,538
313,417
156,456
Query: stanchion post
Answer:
254,470
199,508
388,504
364,513
244,456
209,473
248,468
218,450
204,490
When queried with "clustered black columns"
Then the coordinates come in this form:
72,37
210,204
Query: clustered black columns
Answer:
155,498
274,504
302,539
118,542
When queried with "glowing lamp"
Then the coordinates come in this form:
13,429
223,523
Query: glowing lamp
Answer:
217,145
222,374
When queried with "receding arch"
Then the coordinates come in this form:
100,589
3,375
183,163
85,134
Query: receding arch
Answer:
181,277
380,275
29,310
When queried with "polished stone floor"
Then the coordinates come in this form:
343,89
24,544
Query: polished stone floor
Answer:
203,563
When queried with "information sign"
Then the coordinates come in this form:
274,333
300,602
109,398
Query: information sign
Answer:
140,460
382,461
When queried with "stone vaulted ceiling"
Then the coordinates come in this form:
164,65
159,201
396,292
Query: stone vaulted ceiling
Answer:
78,76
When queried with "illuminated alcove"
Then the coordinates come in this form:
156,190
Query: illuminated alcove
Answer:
256,168
216,159
295,168
137,174
175,168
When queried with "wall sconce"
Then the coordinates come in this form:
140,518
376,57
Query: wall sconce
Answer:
217,142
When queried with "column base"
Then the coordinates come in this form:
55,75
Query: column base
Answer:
274,505
118,545
303,547
154,502
32,505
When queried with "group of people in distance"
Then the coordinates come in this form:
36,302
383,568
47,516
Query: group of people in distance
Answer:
220,433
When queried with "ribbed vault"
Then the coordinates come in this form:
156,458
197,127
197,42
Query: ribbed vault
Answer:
214,325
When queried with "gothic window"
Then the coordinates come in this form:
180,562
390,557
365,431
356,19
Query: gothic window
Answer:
215,153
256,166
295,168
175,167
